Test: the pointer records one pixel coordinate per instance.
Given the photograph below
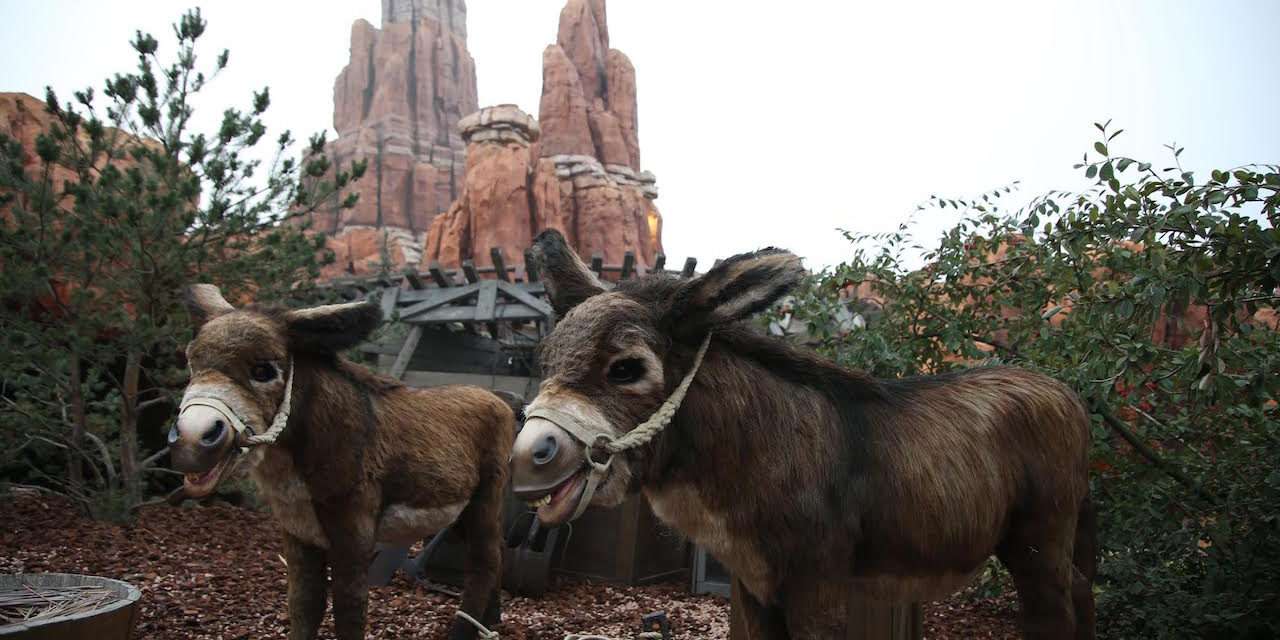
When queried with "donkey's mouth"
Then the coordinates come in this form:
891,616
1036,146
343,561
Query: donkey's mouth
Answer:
556,506
198,485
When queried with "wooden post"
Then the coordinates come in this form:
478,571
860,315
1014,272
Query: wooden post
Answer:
530,268
499,266
469,270
659,263
597,264
689,265
442,279
628,264
415,281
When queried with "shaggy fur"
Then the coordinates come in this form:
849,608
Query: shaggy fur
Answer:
814,483
363,458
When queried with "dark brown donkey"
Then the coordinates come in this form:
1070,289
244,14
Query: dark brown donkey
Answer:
357,458
807,480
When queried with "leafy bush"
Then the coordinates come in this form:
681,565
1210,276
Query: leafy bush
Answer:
1154,294
123,205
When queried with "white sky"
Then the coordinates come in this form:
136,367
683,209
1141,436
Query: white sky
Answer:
775,123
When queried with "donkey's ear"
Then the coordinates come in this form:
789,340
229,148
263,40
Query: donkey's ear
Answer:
567,278
735,289
332,327
205,302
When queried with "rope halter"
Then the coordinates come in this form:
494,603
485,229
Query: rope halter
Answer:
590,436
482,632
245,435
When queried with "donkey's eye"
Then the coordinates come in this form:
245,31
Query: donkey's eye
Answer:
263,372
626,371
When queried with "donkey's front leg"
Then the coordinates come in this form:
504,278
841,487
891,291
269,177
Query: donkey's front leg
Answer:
350,527
755,620
307,587
481,524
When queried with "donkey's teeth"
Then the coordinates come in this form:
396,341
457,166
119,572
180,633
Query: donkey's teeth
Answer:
543,501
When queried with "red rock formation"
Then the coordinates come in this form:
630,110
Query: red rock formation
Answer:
581,72
576,169
397,104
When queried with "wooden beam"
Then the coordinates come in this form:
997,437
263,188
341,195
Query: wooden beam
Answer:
406,352
445,315
499,265
437,298
628,264
389,297
659,263
442,279
689,265
523,297
530,268
597,264
469,270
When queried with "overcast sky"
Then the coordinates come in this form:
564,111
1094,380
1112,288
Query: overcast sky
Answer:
774,123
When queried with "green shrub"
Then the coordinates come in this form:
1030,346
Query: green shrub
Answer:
1154,294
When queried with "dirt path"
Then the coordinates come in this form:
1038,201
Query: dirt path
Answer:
215,572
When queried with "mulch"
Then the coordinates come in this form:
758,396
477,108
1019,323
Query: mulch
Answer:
215,572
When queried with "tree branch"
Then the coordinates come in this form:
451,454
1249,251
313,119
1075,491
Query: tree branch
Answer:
1150,454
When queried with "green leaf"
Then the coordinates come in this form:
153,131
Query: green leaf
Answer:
1124,310
1101,148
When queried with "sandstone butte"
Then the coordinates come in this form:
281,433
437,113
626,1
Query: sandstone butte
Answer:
23,118
396,105
577,169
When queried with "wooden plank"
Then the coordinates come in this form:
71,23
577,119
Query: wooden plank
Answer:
406,352
469,270
507,312
597,264
389,297
659,263
628,264
499,265
437,298
689,265
486,301
530,267
442,279
520,295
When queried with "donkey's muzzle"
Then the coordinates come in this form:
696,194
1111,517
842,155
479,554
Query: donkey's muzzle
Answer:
201,438
543,456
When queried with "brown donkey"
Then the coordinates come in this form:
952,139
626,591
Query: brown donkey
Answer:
807,480
350,459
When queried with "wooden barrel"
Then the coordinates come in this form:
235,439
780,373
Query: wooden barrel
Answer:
856,618
114,620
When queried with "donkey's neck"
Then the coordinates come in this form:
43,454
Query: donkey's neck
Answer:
767,440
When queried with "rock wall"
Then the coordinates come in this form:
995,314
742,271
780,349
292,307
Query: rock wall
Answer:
397,104
576,169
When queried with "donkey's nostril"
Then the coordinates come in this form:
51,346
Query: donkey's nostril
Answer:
545,450
214,434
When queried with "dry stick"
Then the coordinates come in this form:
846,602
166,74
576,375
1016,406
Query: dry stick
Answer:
1150,454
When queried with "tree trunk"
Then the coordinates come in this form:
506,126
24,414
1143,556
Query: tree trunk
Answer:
75,461
130,472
